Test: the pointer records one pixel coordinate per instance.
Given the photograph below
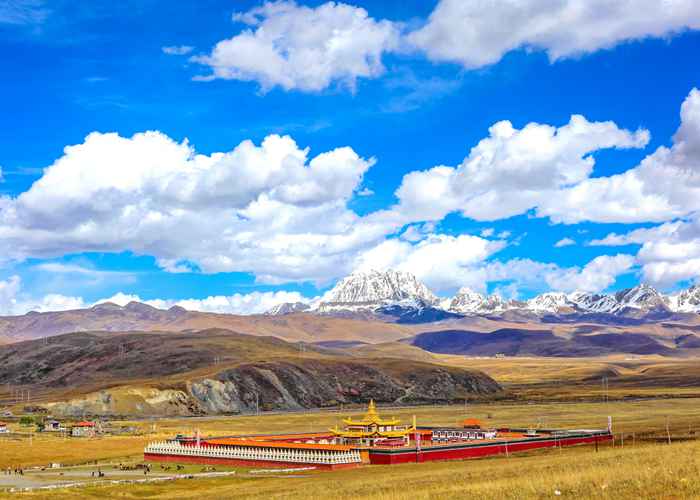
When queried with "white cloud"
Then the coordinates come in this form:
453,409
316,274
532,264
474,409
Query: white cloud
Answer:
8,294
177,50
564,242
13,302
268,209
487,232
638,236
550,171
669,252
476,34
249,303
417,232
446,263
597,275
365,192
513,171
664,186
443,262
277,212
298,47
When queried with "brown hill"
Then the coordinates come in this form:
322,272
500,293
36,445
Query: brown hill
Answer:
136,316
217,371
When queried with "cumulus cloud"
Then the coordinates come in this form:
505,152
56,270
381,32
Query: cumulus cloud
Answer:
513,171
274,210
664,186
177,50
443,262
14,302
268,209
239,303
476,34
564,242
595,276
549,171
668,253
298,47
446,263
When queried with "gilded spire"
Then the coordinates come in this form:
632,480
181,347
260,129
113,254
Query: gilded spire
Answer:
371,414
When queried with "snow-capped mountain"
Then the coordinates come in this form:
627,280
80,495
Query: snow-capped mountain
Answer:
400,294
550,302
594,302
362,291
641,297
287,308
687,301
469,302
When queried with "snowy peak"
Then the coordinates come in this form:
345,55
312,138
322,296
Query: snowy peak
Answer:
374,289
395,293
594,302
467,301
287,308
641,297
687,301
550,302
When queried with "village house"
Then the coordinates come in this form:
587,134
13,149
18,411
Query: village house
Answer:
53,426
83,429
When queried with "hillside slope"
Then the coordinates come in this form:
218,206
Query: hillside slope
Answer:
521,342
217,371
142,317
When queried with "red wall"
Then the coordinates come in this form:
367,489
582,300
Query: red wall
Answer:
456,453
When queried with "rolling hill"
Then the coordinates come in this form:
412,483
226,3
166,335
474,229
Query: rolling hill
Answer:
218,371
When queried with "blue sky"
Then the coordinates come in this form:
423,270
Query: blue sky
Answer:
413,86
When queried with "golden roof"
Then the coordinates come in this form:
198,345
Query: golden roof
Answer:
371,417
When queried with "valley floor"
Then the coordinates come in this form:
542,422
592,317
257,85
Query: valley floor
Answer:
642,464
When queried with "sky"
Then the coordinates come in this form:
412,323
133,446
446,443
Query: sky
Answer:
231,155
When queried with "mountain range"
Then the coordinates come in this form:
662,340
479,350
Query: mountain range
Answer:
400,293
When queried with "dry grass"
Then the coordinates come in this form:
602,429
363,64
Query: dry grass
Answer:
572,379
643,471
642,416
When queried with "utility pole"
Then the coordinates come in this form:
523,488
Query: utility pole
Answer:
604,382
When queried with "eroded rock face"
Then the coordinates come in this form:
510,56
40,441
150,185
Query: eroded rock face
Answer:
285,385
128,401
315,384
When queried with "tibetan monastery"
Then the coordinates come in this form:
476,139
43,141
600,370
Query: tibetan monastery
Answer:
368,440
373,430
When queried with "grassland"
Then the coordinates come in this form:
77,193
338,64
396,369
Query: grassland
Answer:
643,471
641,465
575,379
650,399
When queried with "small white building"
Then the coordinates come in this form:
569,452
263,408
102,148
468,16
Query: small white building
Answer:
53,426
3,428
83,429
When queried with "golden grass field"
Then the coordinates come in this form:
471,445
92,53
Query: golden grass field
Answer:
639,467
643,471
